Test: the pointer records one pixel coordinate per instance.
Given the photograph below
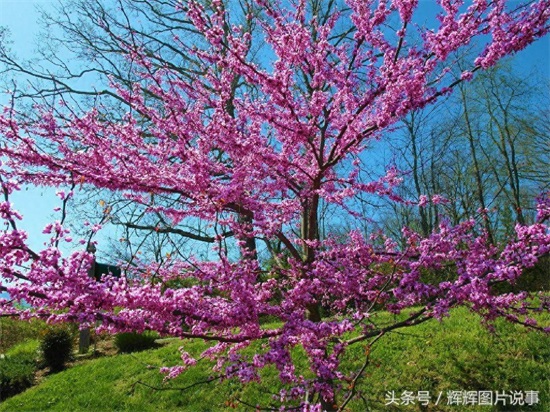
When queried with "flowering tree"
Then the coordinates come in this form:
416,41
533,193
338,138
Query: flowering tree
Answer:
256,147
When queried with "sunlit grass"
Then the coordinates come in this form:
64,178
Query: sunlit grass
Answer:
457,354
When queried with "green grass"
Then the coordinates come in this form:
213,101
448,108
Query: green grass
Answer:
458,354
30,346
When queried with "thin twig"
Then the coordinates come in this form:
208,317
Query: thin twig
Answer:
156,388
353,383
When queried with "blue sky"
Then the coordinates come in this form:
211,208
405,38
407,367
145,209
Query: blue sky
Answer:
36,204
20,17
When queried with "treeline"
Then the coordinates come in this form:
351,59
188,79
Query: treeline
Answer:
485,150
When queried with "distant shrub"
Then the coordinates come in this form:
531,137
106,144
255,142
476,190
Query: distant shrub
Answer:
57,348
15,331
534,279
16,374
133,342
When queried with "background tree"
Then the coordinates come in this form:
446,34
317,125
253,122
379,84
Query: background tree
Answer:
257,149
484,149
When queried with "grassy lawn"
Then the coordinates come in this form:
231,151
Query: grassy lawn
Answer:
458,354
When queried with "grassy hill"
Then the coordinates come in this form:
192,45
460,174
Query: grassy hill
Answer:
458,354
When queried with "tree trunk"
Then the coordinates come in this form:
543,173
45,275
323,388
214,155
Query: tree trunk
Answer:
477,170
